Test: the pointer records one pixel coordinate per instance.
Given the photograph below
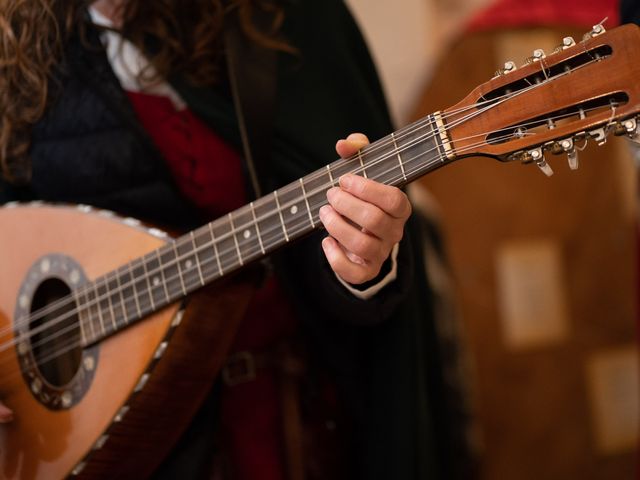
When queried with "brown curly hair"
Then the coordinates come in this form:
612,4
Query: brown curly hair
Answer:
186,35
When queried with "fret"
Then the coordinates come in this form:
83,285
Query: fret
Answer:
225,243
420,148
246,234
141,288
293,211
117,308
170,271
362,169
284,229
333,183
163,277
395,145
215,249
102,300
382,161
130,299
316,185
306,201
235,239
82,317
148,281
187,260
123,305
343,166
206,258
177,261
109,293
93,309
195,251
255,221
155,279
269,223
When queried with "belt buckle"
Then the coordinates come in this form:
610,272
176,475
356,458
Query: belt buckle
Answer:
239,368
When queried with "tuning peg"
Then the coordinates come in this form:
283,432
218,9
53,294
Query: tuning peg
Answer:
538,157
599,135
630,126
507,68
568,146
595,31
572,157
538,54
632,129
567,42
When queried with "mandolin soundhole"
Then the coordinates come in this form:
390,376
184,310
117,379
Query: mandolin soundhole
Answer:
55,336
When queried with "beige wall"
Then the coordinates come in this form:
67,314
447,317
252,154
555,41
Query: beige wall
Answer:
406,38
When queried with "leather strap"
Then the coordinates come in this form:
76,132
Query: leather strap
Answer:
252,76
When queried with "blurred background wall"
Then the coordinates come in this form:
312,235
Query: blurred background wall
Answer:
544,269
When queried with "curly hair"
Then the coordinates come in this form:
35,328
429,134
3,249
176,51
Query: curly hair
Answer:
186,39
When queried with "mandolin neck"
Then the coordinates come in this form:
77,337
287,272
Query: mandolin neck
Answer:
146,284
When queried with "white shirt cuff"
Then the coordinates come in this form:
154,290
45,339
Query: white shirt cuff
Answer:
373,289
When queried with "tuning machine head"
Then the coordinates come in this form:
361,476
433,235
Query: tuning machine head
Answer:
534,155
568,146
595,31
508,67
538,55
631,128
567,42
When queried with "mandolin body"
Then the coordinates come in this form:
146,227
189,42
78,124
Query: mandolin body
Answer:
137,393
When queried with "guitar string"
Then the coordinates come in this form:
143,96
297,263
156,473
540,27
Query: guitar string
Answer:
94,286
73,344
89,288
114,306
377,146
405,131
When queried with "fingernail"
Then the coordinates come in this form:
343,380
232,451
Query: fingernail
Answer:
331,193
357,138
324,210
346,181
327,245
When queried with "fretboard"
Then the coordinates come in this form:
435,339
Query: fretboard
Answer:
165,275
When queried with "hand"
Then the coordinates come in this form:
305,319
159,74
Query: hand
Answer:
6,415
364,219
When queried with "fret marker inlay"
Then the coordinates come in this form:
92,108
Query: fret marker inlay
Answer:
294,210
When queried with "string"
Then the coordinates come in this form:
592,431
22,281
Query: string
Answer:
403,133
95,286
73,344
98,299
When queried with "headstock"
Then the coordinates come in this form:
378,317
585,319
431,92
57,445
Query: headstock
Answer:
553,103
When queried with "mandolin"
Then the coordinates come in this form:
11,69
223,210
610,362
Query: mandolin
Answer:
101,317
